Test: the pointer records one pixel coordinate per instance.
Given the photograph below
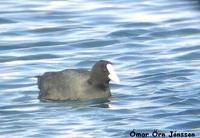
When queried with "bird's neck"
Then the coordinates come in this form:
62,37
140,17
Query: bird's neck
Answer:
98,83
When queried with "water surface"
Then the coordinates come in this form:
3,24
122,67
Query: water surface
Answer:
155,46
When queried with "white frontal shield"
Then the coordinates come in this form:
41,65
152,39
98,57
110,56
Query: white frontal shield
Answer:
112,75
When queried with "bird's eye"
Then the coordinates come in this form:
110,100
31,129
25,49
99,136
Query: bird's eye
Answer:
103,68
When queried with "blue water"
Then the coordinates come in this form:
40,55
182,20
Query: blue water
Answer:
155,48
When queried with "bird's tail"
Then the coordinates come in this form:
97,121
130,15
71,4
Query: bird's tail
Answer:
38,76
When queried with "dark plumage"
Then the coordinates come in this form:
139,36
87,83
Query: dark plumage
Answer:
77,84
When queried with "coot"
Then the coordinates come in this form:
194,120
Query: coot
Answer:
78,84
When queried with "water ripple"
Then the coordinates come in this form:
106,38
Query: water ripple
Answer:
154,46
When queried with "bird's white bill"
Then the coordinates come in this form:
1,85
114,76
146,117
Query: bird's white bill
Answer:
112,75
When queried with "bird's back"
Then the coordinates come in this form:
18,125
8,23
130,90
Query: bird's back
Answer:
66,84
